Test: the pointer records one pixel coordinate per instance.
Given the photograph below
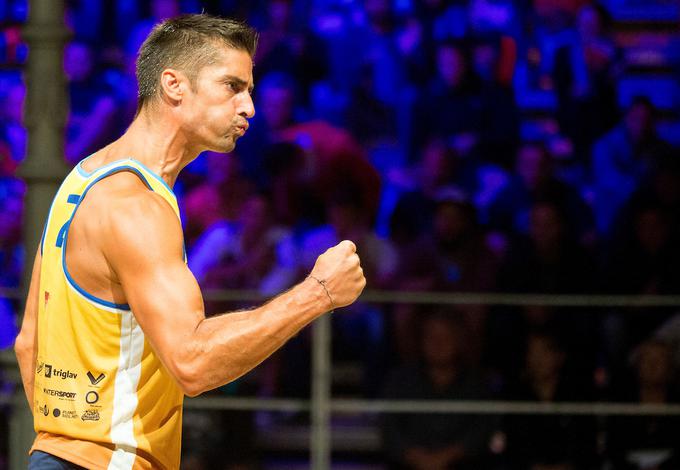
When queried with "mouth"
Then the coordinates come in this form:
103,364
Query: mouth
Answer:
241,129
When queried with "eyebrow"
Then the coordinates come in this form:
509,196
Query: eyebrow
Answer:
240,82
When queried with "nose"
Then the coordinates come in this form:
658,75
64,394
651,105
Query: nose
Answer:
246,106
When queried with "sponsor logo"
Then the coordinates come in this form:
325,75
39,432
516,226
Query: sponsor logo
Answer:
62,374
90,415
59,393
69,414
40,367
56,412
95,380
44,410
92,397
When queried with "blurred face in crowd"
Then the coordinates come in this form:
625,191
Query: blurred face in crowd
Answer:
78,62
450,222
485,58
654,364
256,215
639,121
14,106
451,65
216,109
533,165
544,359
436,166
442,340
546,225
589,24
276,106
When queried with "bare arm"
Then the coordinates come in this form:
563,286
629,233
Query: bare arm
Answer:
26,345
144,249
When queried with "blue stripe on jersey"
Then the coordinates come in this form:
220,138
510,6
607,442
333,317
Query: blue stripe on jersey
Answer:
75,285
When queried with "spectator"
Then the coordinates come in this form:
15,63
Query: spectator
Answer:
359,333
549,259
220,196
334,161
623,160
276,97
348,220
534,180
436,441
646,257
448,108
643,442
596,111
552,441
91,121
499,120
644,260
410,193
251,253
284,46
456,247
296,199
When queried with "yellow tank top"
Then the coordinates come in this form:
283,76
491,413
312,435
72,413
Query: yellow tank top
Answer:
102,398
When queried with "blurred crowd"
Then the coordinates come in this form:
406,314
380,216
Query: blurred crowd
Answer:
464,146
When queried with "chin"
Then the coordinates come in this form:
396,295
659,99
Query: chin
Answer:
225,147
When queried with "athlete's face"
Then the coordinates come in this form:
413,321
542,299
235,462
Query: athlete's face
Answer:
217,108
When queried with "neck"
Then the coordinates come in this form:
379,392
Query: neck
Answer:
157,142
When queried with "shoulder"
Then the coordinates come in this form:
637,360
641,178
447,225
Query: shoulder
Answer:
130,215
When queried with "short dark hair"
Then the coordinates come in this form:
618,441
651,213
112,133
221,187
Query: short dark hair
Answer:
187,43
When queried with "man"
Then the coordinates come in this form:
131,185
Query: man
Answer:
114,332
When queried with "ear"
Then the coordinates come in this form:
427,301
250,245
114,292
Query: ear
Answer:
173,83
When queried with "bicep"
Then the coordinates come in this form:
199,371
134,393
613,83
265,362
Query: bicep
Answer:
146,253
166,301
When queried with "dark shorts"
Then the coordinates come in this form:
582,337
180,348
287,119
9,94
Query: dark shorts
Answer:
42,461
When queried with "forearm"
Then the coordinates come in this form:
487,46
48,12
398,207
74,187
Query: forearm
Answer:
225,347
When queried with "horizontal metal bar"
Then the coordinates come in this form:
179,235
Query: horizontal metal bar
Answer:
456,298
502,407
247,403
417,406
439,406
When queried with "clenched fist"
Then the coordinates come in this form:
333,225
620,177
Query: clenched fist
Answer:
340,271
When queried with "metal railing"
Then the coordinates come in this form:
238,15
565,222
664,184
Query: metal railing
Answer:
322,405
